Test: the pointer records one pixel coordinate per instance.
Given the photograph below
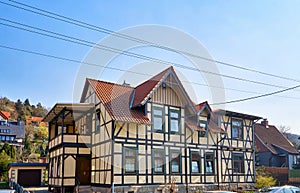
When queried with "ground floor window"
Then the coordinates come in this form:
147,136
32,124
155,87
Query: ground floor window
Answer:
175,162
158,161
209,163
130,160
238,162
195,163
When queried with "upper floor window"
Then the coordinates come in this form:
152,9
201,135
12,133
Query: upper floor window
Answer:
195,162
237,129
174,121
175,162
2,138
130,160
209,163
158,161
97,122
238,162
157,117
203,124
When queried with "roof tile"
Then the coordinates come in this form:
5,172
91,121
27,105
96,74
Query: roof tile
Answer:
271,138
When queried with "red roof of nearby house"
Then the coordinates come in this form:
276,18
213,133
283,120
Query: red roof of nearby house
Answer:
269,137
115,97
5,115
34,119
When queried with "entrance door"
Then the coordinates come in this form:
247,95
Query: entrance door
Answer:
83,166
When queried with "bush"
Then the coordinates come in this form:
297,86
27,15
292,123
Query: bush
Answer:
264,181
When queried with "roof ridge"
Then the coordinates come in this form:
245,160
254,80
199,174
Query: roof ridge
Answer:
112,83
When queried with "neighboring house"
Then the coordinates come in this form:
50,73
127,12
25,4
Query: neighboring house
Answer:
11,131
4,115
28,174
35,121
273,148
144,138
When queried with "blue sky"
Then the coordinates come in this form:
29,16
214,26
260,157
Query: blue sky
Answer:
262,35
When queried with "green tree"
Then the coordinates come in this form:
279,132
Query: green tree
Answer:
9,150
26,102
4,161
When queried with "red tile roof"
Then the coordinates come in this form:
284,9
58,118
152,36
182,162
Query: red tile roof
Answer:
193,125
144,90
116,100
200,106
35,119
5,115
271,138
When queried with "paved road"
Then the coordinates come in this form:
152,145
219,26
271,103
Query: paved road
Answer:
6,191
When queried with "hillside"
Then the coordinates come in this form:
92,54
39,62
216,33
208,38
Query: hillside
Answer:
295,139
19,109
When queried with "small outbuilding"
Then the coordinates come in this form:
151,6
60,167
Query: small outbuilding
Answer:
28,174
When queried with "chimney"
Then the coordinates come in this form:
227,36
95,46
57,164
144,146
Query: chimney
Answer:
265,123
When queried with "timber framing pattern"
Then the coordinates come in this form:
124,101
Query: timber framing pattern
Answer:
145,138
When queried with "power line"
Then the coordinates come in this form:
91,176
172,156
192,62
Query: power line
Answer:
256,97
122,70
115,50
79,23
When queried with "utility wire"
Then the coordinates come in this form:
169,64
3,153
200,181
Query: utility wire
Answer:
122,70
256,97
115,50
79,23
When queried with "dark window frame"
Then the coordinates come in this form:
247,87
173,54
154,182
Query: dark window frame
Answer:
162,117
125,157
178,111
97,121
197,160
154,158
179,160
209,160
240,129
240,162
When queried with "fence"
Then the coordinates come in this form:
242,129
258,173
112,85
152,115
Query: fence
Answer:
18,188
294,177
280,174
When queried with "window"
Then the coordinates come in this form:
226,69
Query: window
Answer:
97,122
58,168
158,161
158,121
130,160
237,129
175,162
174,120
209,163
238,162
2,138
195,162
203,124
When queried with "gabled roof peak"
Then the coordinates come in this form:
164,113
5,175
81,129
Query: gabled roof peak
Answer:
144,90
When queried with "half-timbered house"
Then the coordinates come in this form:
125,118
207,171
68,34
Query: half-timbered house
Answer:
146,139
